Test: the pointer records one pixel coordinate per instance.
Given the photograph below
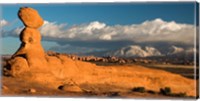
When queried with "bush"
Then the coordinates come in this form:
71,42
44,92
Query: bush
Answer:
139,89
151,92
165,91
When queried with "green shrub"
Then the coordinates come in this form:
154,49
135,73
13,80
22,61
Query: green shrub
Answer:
139,89
165,91
151,92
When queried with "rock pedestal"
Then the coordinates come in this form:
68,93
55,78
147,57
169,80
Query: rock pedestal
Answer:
31,54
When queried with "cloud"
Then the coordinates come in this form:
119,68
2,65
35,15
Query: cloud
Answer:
3,23
98,37
52,30
14,32
148,31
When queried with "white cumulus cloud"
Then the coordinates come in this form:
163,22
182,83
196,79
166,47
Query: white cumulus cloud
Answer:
148,31
51,29
3,23
155,30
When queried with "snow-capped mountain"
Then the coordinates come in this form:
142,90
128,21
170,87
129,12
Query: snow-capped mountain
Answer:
175,50
147,51
135,51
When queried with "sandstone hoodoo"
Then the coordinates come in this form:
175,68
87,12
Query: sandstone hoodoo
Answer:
31,53
31,63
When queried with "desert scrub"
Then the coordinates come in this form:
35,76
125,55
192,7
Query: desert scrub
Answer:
165,91
151,92
139,89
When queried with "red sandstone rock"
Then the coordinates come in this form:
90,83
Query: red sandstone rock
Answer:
31,53
19,65
30,17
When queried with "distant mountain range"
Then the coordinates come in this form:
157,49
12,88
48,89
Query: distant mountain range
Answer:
135,51
148,51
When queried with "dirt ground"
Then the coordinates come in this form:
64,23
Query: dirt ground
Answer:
18,87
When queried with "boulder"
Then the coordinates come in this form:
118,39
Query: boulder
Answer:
70,88
32,90
30,17
19,66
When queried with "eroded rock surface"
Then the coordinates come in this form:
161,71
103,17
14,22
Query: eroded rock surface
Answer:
30,54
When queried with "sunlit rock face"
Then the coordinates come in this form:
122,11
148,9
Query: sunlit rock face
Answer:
30,17
31,53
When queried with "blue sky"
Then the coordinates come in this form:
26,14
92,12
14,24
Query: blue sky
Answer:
119,13
111,14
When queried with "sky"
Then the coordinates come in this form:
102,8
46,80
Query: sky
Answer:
98,27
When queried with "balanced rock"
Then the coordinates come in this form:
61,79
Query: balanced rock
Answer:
30,17
30,54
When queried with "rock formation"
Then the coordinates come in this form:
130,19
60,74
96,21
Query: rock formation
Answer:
30,17
31,53
33,64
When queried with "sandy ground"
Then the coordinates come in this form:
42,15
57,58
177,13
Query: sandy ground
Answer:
18,87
